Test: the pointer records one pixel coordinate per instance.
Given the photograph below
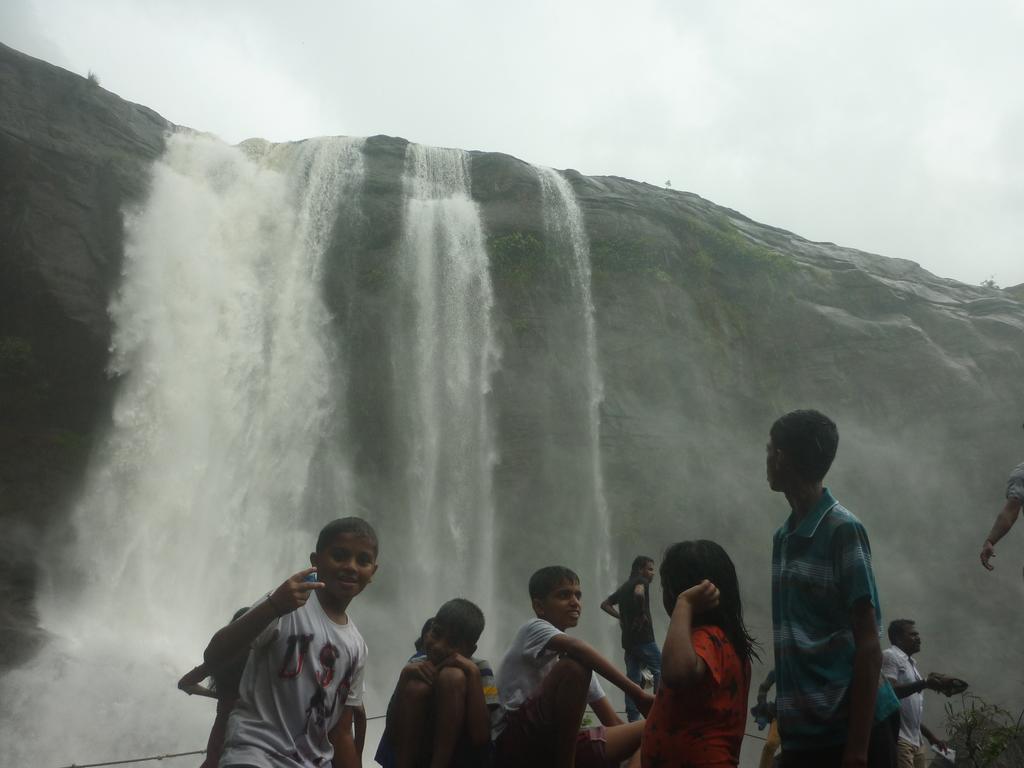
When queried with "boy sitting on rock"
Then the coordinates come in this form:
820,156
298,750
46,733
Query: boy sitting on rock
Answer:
439,715
546,681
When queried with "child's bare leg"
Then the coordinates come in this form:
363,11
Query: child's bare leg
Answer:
449,714
634,761
622,741
564,698
407,718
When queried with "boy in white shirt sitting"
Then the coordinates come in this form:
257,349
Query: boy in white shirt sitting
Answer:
546,680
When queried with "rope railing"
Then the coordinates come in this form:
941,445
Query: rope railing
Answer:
168,756
173,755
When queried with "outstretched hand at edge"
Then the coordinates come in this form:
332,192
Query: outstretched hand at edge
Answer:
988,551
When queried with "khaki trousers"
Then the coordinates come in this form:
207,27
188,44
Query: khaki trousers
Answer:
909,756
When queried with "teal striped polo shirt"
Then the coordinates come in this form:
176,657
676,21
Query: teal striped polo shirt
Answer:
819,570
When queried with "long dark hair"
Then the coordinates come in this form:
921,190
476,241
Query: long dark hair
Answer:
686,565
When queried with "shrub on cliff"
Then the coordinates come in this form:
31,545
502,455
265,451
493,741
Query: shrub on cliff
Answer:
984,735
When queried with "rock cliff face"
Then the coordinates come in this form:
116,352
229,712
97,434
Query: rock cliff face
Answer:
71,156
709,325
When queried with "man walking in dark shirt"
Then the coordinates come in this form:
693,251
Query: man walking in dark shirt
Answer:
634,614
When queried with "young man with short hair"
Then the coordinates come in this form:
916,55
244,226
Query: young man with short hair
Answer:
633,599
833,708
545,682
901,671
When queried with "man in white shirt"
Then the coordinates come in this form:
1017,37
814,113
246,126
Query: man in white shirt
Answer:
901,671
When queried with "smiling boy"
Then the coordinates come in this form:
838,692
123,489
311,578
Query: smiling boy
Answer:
546,681
439,715
304,675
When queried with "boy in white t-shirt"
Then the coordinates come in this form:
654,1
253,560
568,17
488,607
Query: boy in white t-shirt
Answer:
304,674
546,680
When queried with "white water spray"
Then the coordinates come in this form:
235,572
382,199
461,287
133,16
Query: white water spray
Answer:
563,225
445,364
198,500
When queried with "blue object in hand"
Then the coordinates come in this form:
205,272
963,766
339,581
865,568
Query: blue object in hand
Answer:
311,577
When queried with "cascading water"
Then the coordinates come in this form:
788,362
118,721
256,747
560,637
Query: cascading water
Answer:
239,429
200,498
445,359
563,227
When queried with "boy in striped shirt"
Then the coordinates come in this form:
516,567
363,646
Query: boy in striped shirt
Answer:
833,706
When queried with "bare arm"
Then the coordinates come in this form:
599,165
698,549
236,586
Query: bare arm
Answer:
1003,523
932,738
359,720
588,656
345,753
867,663
239,634
191,682
606,712
681,667
610,610
908,689
934,682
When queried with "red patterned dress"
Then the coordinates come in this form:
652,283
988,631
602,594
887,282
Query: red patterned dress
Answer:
701,727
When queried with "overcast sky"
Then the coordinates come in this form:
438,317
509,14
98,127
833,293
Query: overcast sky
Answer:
894,127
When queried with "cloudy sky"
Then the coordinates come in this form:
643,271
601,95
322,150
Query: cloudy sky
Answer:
894,127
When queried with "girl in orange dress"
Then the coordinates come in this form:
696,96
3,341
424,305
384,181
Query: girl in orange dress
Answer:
700,711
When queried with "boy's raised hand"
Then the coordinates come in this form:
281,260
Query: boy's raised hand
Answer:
703,597
294,592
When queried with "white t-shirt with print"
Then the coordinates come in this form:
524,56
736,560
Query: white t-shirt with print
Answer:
303,669
525,665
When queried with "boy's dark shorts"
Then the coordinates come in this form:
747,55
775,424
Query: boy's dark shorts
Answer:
528,740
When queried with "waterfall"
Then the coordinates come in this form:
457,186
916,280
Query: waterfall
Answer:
445,360
563,229
200,498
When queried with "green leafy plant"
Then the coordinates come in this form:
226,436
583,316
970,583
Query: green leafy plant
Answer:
984,735
516,256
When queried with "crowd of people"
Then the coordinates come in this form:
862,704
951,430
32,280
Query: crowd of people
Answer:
291,667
